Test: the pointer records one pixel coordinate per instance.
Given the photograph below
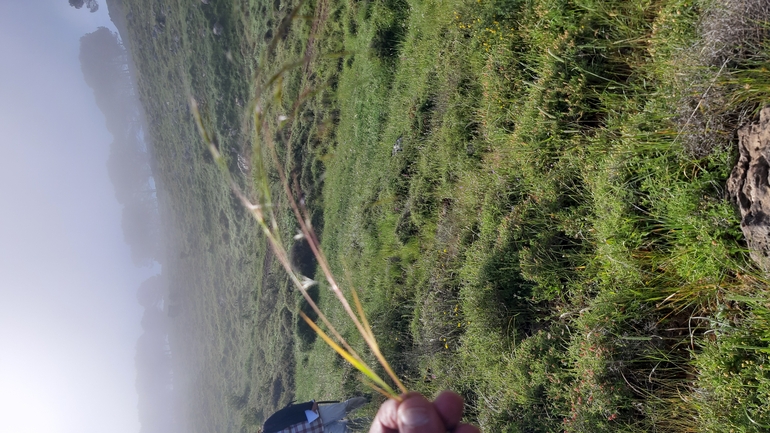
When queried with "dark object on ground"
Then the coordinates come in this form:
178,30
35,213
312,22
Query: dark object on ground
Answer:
749,187
290,415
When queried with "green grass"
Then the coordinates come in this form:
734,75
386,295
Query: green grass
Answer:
552,242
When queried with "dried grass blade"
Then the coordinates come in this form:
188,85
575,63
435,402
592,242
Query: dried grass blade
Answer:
360,366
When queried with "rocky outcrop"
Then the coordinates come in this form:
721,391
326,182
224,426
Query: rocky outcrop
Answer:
749,187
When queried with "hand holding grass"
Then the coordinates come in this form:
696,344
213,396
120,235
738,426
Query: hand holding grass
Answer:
415,414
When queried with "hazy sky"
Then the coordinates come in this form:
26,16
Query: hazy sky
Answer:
69,319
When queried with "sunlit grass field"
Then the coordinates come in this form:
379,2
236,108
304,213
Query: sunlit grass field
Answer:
528,194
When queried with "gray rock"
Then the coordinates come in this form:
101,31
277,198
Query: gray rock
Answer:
749,187
397,146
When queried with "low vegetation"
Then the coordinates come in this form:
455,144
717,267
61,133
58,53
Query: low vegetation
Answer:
527,194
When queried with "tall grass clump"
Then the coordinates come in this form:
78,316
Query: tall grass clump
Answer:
733,382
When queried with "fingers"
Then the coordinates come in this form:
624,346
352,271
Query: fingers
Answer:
415,414
386,420
450,408
418,415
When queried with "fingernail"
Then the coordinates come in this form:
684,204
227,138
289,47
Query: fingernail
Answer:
414,416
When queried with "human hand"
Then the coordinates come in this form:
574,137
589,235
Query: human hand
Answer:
415,414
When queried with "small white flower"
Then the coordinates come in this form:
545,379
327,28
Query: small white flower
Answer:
307,283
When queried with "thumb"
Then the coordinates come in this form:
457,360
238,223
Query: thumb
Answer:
418,415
